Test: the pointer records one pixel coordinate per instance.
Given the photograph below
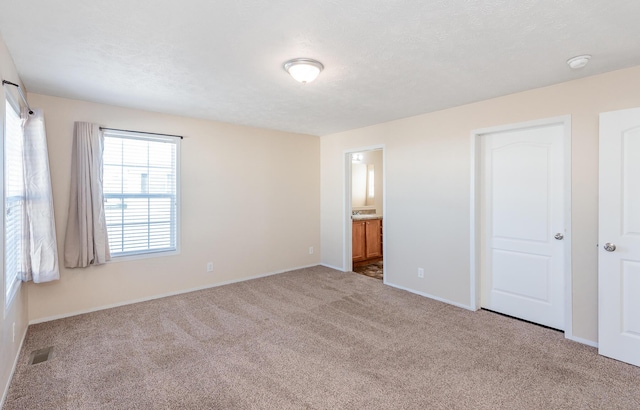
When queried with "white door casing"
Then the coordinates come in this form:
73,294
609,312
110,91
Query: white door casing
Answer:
347,207
619,226
522,209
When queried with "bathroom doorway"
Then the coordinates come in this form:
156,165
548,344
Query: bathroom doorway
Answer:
365,212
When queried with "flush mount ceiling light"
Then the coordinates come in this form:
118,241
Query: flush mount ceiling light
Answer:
578,61
303,70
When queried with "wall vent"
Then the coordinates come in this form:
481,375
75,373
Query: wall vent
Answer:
42,355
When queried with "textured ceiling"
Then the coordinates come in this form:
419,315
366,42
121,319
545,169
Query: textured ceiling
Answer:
384,59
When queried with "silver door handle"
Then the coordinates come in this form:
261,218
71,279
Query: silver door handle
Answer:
609,247
559,236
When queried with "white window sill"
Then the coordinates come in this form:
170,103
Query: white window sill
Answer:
148,255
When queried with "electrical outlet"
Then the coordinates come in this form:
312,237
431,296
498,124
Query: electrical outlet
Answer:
310,250
420,273
209,266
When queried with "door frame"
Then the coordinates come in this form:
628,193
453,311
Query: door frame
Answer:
347,254
476,218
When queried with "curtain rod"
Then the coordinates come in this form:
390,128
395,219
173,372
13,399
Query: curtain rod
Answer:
21,94
141,132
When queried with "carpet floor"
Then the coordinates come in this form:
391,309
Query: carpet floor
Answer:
313,338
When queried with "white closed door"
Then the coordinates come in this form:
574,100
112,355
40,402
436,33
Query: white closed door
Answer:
619,236
523,224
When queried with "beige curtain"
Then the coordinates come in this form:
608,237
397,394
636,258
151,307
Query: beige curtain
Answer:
86,240
40,245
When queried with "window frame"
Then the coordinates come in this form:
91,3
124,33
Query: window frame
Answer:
10,291
107,133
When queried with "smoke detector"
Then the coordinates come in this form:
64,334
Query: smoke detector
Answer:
578,62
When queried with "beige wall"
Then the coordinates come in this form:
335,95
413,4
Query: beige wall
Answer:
428,186
17,311
250,203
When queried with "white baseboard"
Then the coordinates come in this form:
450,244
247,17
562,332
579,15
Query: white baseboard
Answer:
571,337
163,295
426,295
13,370
326,265
583,341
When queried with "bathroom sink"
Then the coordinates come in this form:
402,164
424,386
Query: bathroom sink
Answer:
365,216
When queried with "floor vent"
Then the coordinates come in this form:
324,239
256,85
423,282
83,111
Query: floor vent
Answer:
42,355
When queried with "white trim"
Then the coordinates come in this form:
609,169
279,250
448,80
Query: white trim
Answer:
460,305
347,255
145,255
474,234
475,240
178,195
426,295
13,101
13,369
3,233
164,295
326,265
568,268
347,251
583,341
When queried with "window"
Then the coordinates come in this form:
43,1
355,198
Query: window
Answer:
140,192
14,206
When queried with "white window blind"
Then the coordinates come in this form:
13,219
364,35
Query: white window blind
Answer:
140,192
13,201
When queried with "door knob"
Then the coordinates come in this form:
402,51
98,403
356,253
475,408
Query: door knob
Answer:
559,236
609,247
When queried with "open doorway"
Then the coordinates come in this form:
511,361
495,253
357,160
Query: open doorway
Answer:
365,197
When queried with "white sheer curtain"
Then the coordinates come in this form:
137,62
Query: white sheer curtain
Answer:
86,241
40,251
